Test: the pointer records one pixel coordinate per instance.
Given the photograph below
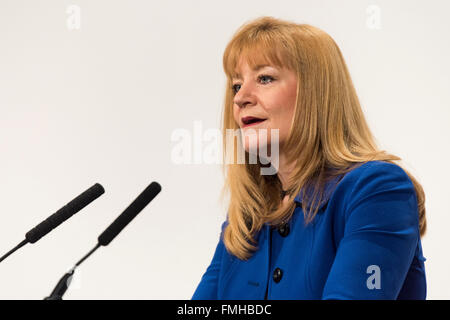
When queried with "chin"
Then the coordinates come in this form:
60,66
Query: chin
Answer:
255,147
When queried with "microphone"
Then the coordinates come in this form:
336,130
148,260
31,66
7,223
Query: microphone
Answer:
129,213
109,234
59,217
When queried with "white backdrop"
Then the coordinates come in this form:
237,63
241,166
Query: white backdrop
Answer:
91,91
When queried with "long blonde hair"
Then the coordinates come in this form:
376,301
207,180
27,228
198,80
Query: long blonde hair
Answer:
330,130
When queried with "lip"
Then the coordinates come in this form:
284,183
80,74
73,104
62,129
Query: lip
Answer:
245,119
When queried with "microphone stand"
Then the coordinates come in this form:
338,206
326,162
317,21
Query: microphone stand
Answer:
64,283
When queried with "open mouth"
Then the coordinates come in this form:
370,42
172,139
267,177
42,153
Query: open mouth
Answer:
250,121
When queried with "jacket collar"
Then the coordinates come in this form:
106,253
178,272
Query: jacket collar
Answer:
329,188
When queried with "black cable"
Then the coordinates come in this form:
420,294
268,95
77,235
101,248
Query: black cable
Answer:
20,245
87,255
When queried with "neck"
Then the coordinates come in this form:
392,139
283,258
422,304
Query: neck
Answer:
285,171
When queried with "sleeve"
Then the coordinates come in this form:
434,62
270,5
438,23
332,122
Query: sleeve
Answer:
380,236
207,288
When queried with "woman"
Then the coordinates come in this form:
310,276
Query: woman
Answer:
349,220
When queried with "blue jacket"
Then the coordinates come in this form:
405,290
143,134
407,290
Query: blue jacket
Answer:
364,243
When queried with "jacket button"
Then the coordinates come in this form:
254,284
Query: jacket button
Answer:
284,230
277,274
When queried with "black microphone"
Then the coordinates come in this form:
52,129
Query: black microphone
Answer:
129,213
109,234
59,216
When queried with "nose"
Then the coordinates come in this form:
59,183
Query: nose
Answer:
245,96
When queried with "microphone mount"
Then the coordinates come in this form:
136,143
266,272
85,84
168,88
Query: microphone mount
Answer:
64,283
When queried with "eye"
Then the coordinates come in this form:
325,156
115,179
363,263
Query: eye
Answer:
263,76
233,88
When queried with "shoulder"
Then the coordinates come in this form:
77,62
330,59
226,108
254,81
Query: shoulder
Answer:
376,170
373,174
375,181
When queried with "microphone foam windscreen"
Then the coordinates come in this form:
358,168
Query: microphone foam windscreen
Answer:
129,213
64,213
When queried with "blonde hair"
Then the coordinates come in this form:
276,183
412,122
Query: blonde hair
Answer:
330,130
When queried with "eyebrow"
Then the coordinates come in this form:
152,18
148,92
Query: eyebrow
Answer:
256,68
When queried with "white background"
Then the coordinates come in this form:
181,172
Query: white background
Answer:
99,104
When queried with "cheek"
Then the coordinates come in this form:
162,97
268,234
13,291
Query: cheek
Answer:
281,120
287,120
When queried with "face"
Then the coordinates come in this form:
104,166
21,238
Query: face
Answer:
267,93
